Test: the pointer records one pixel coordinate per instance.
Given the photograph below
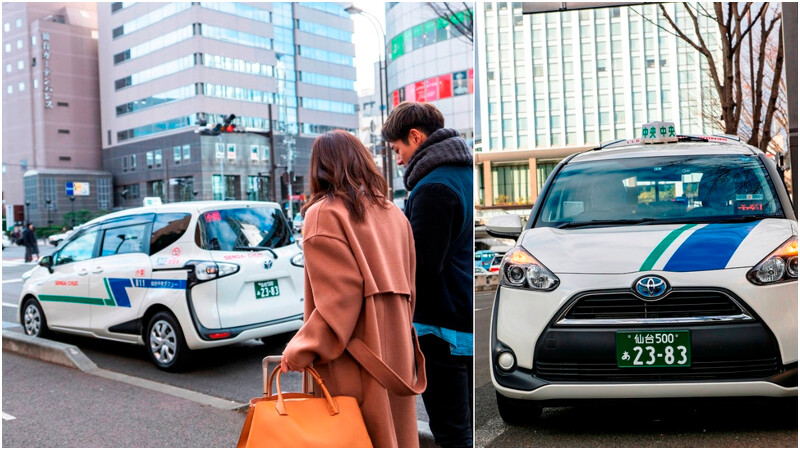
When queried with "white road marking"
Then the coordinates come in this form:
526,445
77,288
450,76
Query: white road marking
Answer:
8,417
16,280
7,263
11,305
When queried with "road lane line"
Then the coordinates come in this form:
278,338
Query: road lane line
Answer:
8,417
16,280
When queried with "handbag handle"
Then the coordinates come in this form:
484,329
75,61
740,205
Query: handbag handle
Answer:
280,405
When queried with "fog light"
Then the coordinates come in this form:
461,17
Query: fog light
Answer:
506,361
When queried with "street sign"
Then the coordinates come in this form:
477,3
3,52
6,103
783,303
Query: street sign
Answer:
77,188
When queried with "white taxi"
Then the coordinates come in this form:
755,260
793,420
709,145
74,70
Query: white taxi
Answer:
664,266
173,278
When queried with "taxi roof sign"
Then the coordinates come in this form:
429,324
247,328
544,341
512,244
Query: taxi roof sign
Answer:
658,132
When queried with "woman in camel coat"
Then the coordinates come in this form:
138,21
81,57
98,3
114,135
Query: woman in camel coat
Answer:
359,292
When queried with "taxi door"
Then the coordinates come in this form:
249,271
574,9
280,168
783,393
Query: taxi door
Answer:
64,296
119,276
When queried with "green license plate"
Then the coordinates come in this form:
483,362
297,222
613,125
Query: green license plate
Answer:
267,289
669,348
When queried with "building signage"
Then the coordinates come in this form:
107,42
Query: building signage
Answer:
77,188
47,87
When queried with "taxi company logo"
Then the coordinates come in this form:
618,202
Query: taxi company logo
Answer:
650,287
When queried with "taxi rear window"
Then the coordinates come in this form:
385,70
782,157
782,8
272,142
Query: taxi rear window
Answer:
243,229
168,228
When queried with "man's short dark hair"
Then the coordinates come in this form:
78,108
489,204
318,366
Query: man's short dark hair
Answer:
407,115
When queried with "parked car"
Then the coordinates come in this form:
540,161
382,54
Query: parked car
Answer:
173,278
56,239
616,290
6,241
297,222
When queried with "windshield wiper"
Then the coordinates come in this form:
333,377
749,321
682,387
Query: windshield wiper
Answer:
606,222
256,249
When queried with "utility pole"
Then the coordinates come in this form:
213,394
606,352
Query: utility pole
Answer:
289,141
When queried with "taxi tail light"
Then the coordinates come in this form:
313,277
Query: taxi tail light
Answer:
209,270
219,335
779,266
521,270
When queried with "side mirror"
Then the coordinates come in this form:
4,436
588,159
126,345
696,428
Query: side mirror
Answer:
508,226
47,261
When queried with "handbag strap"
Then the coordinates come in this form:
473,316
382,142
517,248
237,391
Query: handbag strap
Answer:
387,377
280,405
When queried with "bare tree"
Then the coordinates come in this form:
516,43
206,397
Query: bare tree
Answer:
729,76
446,11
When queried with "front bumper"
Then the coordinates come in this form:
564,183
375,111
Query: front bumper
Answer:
748,358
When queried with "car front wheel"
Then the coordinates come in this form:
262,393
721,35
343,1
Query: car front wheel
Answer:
165,344
33,320
518,412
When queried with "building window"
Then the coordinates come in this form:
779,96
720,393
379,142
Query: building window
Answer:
156,189
176,155
19,43
8,48
187,153
149,158
231,182
33,40
63,131
36,83
157,155
232,152
254,153
133,163
124,164
265,152
19,23
104,194
20,65
8,68
6,27
10,89
220,151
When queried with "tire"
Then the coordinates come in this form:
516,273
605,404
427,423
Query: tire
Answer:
518,412
164,342
33,320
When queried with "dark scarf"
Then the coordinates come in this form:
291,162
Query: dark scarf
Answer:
444,146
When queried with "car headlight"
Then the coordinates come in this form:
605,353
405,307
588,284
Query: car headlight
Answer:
779,266
521,270
209,270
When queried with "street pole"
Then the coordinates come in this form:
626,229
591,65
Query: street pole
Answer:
222,165
72,206
273,189
48,212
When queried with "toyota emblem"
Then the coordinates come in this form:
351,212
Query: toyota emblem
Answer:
650,287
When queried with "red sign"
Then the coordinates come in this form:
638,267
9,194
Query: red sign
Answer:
395,98
432,89
212,216
176,252
471,81
419,91
445,86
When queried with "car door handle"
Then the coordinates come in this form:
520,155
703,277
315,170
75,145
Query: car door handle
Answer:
98,269
83,273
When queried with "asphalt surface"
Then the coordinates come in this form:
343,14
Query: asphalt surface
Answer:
732,423
232,372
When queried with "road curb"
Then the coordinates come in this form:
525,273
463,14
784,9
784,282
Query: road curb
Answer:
47,350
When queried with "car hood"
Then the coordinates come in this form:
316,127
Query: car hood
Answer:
671,248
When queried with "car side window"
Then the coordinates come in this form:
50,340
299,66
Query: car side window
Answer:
79,249
168,228
121,240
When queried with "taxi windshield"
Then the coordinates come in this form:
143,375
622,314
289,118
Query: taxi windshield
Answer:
691,189
244,229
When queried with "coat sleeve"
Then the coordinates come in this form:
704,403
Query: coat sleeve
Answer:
337,288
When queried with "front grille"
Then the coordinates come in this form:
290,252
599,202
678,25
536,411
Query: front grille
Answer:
677,304
603,372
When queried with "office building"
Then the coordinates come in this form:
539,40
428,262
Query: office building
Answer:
555,83
166,67
431,61
51,102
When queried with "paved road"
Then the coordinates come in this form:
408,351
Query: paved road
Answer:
232,372
737,423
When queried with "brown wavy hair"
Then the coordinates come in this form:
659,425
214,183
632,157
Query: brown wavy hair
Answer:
342,167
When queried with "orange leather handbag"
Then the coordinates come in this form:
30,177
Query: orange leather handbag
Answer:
295,420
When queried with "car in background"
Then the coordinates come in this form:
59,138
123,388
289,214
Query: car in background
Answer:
658,267
297,222
56,239
174,278
6,241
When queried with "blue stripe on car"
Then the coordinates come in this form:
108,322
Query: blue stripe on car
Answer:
710,247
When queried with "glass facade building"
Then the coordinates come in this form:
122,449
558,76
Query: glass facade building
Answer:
574,79
164,68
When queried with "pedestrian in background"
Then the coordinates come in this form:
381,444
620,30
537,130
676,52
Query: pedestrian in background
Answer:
359,287
438,178
29,241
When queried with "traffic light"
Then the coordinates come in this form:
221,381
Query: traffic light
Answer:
228,126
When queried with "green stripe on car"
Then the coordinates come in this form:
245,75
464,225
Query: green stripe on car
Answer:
662,247
69,299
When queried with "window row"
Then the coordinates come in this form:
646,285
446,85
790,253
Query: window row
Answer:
228,152
238,93
239,9
324,55
327,81
170,9
158,127
158,43
319,104
330,8
326,31
7,25
157,99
